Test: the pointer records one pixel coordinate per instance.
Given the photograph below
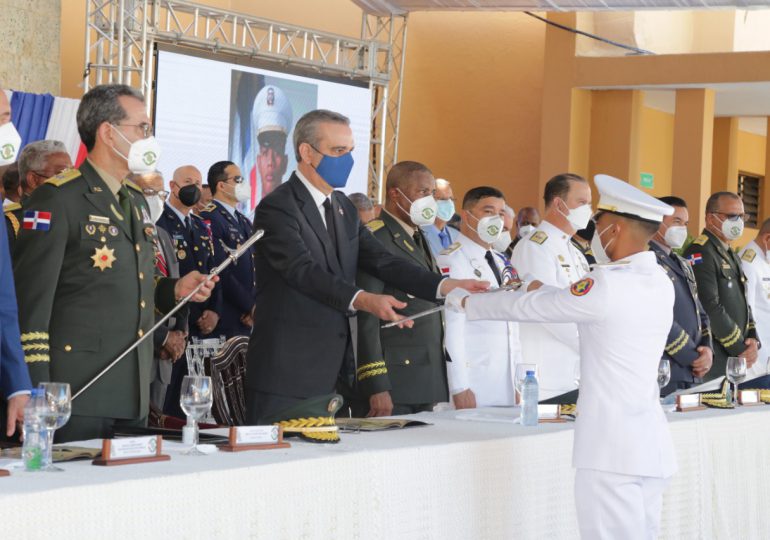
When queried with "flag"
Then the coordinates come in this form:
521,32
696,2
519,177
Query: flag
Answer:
695,258
37,221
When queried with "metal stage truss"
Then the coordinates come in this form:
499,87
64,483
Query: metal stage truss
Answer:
121,39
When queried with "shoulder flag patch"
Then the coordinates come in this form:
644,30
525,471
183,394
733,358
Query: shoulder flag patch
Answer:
538,237
375,225
37,221
701,240
695,258
582,287
749,255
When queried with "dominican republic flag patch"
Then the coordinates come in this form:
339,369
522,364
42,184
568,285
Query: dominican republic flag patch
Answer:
37,221
695,258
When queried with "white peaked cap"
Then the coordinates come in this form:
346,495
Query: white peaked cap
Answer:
272,110
622,198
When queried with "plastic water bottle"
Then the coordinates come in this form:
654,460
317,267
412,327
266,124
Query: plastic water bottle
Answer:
529,399
35,440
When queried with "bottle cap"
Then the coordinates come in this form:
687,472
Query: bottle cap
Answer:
530,373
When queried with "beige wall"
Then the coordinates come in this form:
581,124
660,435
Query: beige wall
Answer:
30,45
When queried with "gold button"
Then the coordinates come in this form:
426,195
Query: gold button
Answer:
200,263
142,303
406,362
103,239
68,348
195,248
141,275
140,332
138,248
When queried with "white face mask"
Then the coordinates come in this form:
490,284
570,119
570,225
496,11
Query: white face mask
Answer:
155,204
242,191
489,228
143,154
578,217
598,249
422,211
502,243
675,236
10,141
732,229
526,230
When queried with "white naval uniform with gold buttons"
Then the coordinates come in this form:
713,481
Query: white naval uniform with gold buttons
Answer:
757,271
621,433
483,353
548,256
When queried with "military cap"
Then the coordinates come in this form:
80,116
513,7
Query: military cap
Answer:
311,419
622,198
272,111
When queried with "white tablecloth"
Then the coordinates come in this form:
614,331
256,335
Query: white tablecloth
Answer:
455,479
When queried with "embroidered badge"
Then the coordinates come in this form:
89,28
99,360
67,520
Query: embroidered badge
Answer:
582,287
695,258
103,258
37,221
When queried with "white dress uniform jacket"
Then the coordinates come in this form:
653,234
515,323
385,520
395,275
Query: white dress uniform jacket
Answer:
623,312
548,256
483,353
757,271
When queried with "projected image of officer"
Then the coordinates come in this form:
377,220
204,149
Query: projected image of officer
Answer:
272,118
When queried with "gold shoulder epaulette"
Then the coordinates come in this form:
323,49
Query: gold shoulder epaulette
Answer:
13,220
451,249
701,240
63,177
375,225
538,237
133,186
11,207
210,207
749,255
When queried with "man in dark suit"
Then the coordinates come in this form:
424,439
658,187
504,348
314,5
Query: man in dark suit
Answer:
688,348
314,244
229,229
401,371
722,284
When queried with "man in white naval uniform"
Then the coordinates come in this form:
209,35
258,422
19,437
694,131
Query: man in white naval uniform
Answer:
548,256
623,450
754,261
483,353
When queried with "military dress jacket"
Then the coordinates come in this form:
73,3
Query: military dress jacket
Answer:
86,290
410,363
722,291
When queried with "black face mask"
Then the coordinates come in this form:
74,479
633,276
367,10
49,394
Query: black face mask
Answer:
189,195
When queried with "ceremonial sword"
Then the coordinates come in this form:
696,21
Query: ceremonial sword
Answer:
232,256
513,286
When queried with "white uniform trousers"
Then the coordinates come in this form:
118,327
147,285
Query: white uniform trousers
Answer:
614,506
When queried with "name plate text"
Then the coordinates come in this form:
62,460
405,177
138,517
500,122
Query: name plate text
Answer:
133,447
255,434
748,397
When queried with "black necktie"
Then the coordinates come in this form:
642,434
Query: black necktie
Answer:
495,270
419,240
329,217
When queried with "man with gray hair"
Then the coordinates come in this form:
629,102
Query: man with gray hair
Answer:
364,206
38,162
314,243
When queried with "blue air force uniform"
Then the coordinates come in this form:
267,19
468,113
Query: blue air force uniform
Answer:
194,251
690,328
229,229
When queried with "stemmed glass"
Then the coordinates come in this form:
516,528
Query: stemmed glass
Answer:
195,399
664,373
54,406
521,374
736,374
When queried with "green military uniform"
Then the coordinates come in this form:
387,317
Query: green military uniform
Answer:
86,291
13,217
722,291
407,362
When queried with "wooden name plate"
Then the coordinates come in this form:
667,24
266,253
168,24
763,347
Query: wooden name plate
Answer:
749,397
688,403
129,450
3,472
243,438
549,413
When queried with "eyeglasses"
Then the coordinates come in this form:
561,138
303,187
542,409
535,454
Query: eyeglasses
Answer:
162,193
238,179
144,126
733,217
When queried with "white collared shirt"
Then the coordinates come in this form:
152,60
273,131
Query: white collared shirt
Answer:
177,212
227,207
316,194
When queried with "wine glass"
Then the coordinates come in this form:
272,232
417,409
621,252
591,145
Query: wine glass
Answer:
54,407
521,374
736,374
195,399
664,373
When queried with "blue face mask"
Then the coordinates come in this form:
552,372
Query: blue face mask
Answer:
335,170
445,209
